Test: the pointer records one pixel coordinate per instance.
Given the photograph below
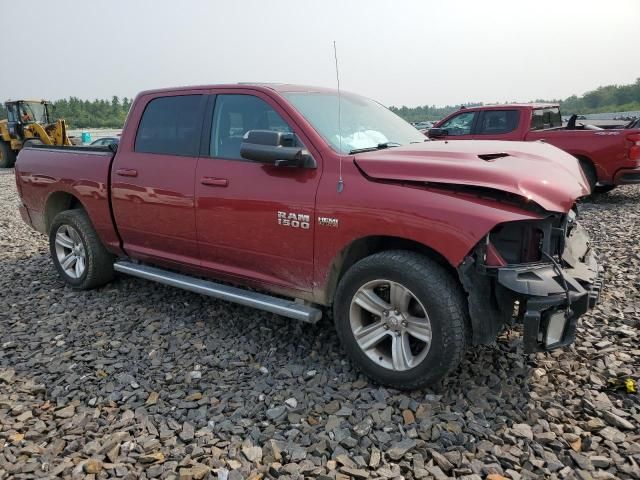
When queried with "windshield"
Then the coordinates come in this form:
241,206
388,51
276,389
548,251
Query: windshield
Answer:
33,112
365,124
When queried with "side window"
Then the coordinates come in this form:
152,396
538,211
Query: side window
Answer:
498,121
234,116
170,126
542,118
12,116
460,124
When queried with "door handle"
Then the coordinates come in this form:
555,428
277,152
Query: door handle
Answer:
214,182
127,172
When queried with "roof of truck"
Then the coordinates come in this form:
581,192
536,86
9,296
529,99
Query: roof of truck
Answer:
278,87
533,106
290,87
27,100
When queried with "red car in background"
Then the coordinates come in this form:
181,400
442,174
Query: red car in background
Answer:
608,156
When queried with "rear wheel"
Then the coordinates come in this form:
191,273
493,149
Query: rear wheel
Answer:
402,319
605,188
7,156
77,253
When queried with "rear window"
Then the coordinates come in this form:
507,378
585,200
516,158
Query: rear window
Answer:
543,118
171,126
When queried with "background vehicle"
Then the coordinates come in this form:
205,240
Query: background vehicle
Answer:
421,248
105,142
609,157
635,123
422,125
28,121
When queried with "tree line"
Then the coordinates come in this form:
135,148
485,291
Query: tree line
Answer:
111,114
610,98
97,113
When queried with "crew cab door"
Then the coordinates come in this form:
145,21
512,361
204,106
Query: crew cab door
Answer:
255,221
497,125
152,179
459,127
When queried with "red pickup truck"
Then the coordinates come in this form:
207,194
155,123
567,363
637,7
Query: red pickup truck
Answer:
608,157
421,248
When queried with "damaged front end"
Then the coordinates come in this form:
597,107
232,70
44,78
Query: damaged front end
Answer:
540,272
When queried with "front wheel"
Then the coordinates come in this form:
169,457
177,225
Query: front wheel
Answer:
77,252
402,318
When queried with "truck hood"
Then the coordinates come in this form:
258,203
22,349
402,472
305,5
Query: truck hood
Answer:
536,171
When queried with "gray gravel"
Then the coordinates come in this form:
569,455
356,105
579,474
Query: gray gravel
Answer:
137,380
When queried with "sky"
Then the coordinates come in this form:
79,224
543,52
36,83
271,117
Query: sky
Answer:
403,52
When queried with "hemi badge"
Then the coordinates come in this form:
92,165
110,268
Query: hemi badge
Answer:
328,222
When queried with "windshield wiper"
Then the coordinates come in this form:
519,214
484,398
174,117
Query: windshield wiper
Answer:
380,146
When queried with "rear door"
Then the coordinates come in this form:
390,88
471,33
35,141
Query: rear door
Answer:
153,179
254,221
497,124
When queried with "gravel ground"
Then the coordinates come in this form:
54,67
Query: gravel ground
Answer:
137,380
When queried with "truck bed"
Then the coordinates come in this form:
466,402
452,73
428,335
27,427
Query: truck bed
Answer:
607,149
45,172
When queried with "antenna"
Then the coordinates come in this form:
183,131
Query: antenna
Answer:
340,181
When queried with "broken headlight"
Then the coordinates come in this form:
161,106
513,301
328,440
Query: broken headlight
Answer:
525,241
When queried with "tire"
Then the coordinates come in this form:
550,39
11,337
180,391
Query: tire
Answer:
72,235
590,173
604,188
436,310
31,142
7,156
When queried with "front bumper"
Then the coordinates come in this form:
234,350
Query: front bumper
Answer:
627,176
554,297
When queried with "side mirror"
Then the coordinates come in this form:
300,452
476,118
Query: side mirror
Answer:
437,132
275,148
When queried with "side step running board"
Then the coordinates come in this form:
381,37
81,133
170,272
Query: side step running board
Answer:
286,308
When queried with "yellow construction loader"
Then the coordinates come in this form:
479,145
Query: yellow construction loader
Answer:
29,121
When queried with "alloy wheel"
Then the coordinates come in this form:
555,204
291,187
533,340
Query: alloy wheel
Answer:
70,251
390,325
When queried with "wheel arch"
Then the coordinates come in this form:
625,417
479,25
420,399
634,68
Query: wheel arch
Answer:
582,158
366,246
57,202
